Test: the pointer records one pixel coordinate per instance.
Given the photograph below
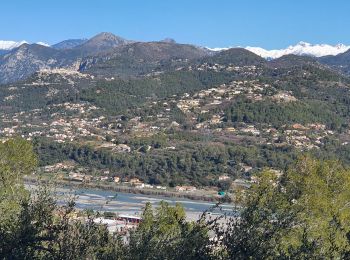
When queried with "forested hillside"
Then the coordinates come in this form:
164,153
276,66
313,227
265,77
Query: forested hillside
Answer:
176,114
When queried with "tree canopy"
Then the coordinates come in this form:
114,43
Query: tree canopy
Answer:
303,213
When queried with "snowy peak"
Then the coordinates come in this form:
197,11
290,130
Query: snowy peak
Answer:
302,49
9,45
43,44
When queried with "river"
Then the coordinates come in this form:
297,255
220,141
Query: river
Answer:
127,203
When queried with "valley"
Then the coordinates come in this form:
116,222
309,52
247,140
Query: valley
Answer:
175,130
171,114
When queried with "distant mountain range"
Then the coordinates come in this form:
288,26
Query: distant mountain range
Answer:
110,40
9,45
125,57
68,44
108,55
302,49
340,62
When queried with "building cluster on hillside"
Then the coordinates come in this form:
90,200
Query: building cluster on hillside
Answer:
77,121
67,122
249,70
203,112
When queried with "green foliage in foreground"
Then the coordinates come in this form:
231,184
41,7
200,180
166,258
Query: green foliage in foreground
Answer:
36,227
303,214
16,159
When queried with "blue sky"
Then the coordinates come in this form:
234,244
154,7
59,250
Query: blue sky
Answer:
212,23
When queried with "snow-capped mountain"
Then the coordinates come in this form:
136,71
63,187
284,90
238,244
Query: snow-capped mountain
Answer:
9,45
302,48
43,44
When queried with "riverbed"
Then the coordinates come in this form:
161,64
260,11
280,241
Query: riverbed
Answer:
133,204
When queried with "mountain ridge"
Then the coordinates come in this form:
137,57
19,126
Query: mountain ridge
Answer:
301,49
68,44
108,55
108,40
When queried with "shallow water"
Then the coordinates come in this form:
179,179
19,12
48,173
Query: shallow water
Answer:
127,203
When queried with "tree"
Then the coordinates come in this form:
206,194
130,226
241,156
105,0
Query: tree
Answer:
165,234
16,160
303,214
225,185
45,230
108,138
34,226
